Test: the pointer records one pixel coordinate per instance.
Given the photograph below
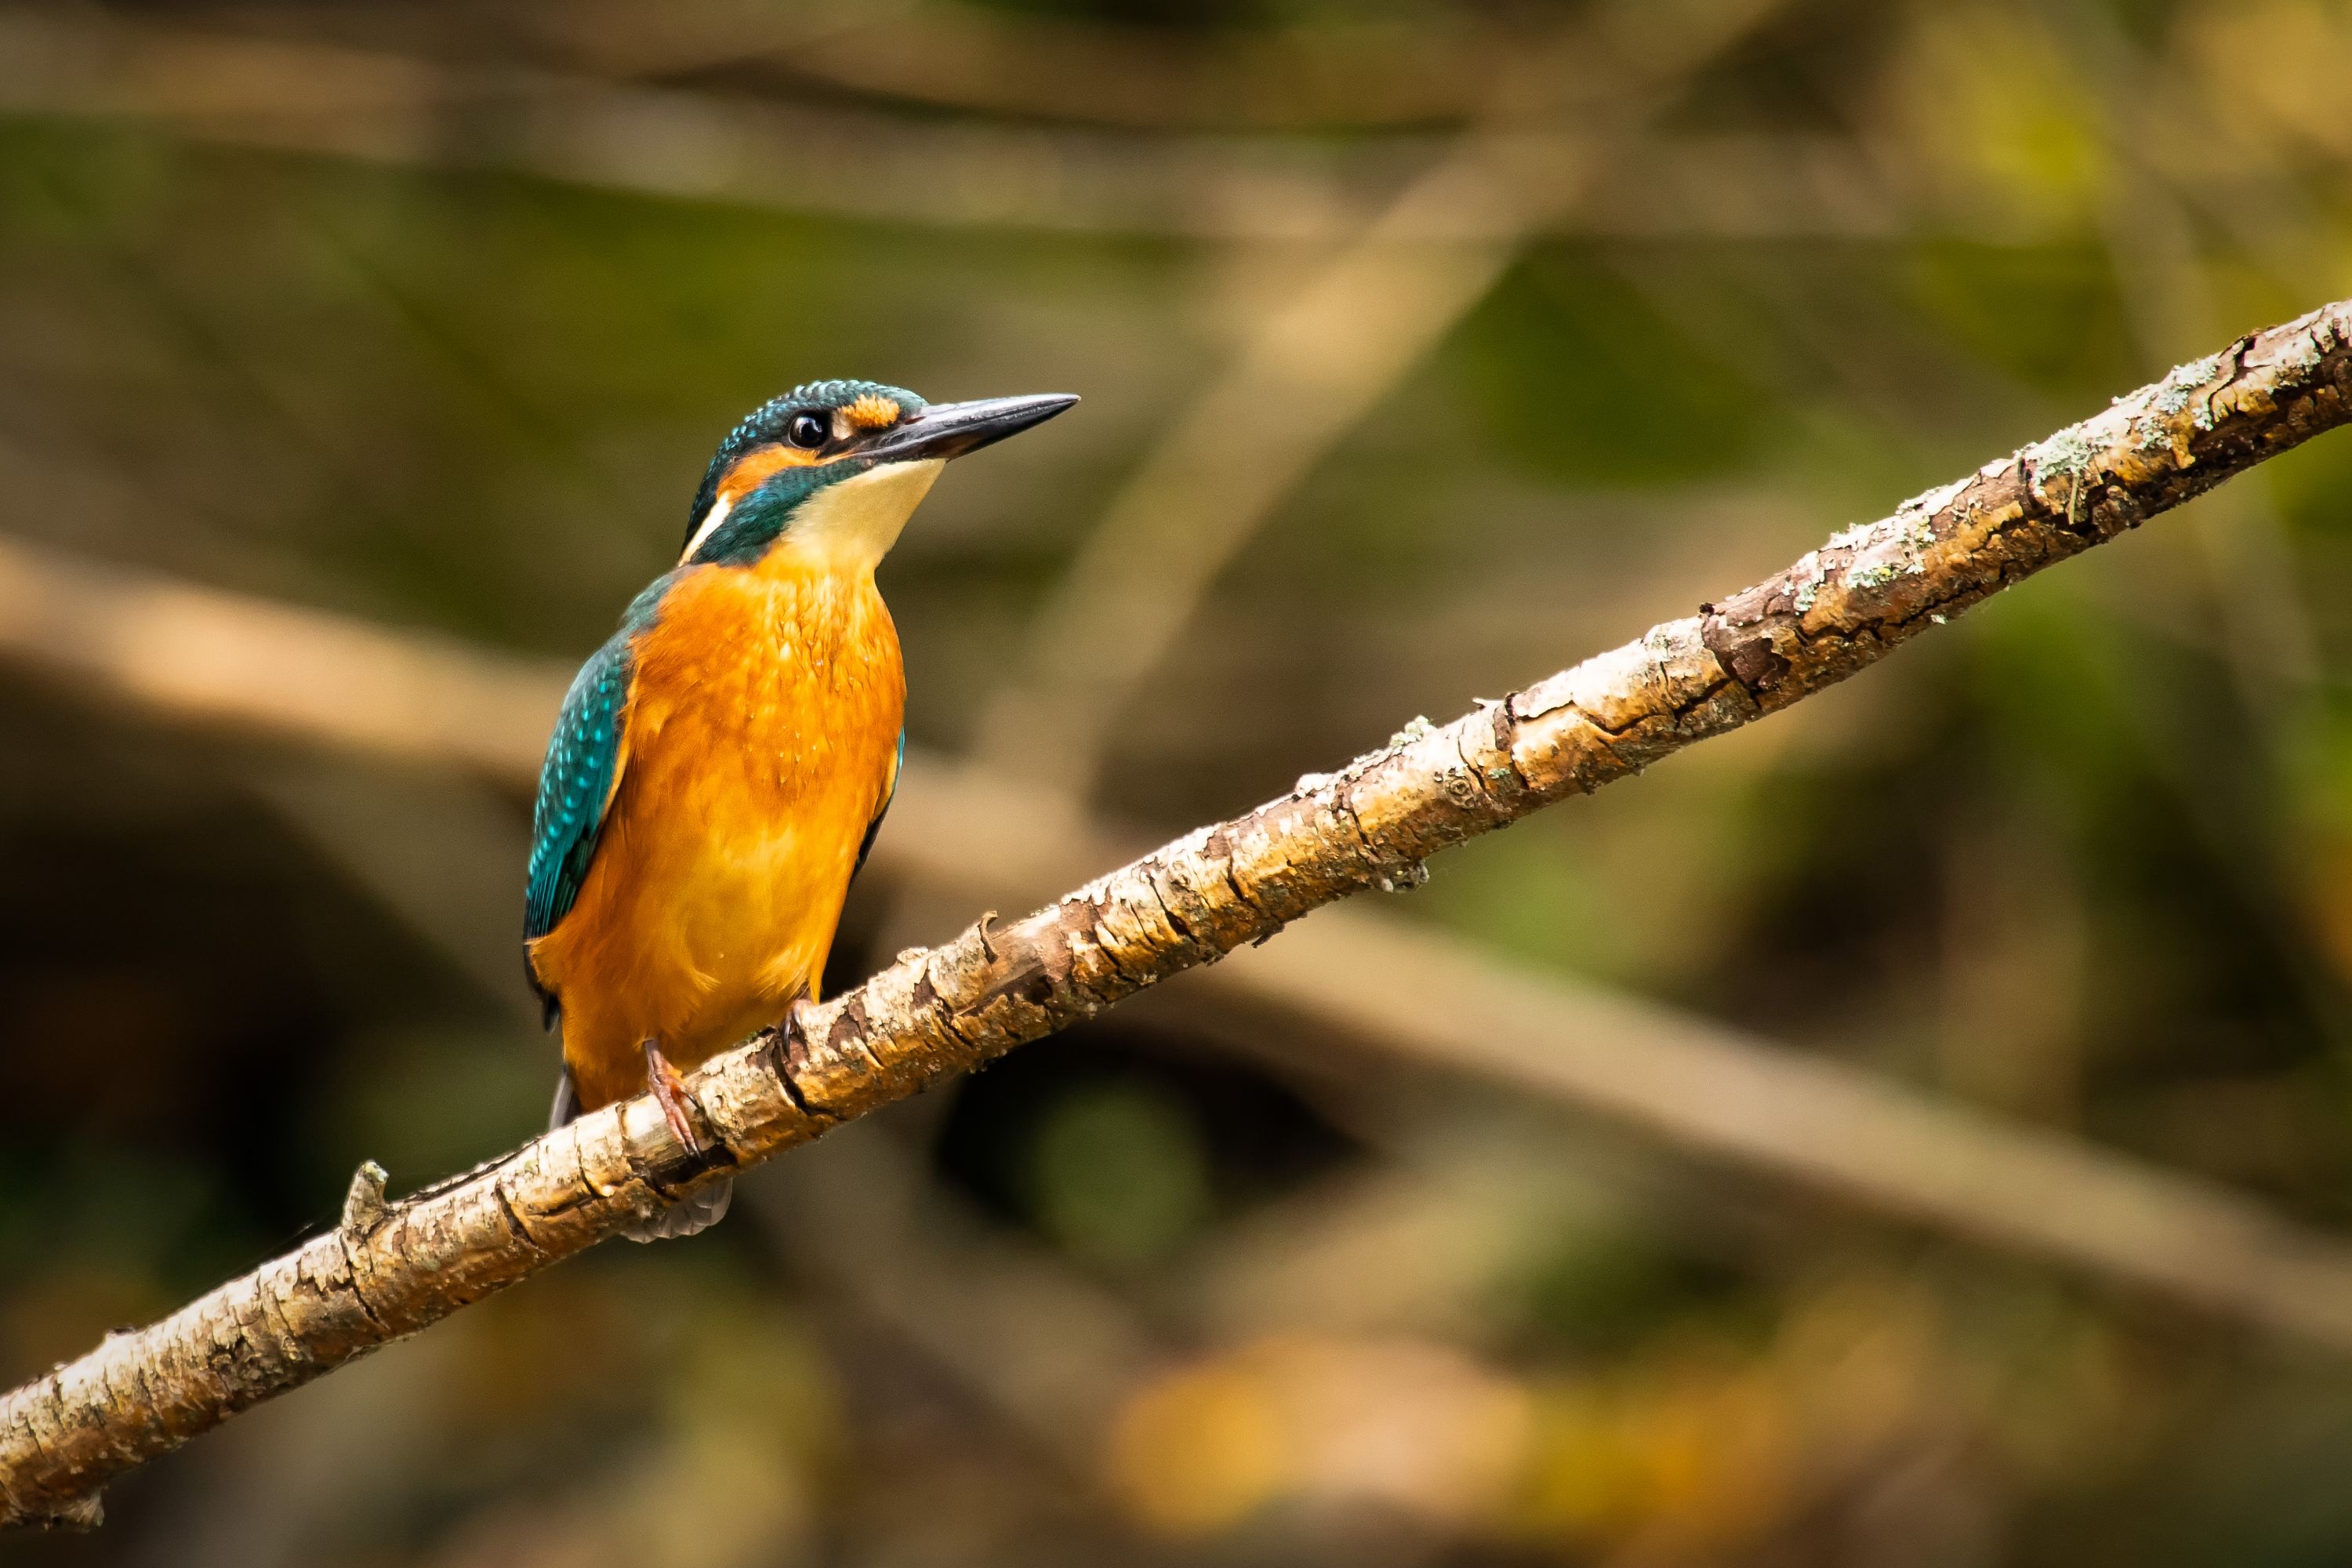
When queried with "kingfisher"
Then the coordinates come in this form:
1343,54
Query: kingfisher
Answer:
721,765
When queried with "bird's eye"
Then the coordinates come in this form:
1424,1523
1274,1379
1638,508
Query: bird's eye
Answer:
807,431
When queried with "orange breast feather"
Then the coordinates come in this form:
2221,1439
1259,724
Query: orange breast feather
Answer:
761,738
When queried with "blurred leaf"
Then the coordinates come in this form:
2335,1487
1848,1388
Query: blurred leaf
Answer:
1119,1173
1576,378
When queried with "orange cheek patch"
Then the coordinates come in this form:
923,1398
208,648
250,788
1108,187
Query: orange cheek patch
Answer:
872,412
754,468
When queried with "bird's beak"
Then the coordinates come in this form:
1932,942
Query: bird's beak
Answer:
951,429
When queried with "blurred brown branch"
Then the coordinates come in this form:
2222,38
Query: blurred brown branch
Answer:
1391,71
379,106
389,1271
1317,365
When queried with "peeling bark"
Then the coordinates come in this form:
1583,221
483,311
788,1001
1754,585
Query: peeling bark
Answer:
391,1268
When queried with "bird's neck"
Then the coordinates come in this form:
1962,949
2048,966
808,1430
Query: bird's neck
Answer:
820,599
732,638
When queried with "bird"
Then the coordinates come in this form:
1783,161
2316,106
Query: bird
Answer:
721,765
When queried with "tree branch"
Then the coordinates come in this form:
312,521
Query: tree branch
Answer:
1356,982
936,1013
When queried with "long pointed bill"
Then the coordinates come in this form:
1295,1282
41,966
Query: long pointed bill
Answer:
951,429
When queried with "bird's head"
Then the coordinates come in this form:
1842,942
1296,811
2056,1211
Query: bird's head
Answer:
836,468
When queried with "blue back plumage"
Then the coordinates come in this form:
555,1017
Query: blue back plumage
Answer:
575,782
573,785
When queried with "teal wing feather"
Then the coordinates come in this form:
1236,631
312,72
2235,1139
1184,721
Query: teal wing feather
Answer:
874,828
575,785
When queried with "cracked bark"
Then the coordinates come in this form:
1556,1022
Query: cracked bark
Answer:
390,1269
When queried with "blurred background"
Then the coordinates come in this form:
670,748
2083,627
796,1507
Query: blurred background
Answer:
1913,1131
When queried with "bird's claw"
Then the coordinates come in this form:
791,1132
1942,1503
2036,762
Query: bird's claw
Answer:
668,1087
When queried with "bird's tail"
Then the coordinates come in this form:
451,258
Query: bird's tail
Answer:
566,1109
696,1211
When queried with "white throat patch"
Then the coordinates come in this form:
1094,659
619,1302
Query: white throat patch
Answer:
852,524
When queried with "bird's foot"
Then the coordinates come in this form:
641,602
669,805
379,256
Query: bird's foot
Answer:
669,1087
793,1038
